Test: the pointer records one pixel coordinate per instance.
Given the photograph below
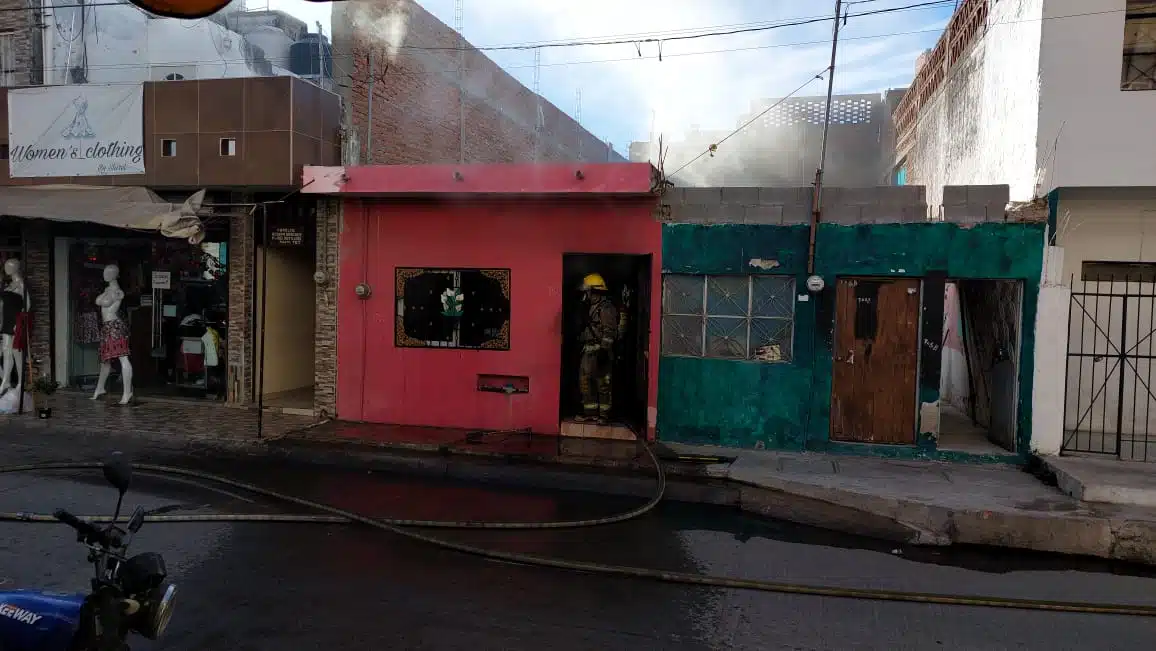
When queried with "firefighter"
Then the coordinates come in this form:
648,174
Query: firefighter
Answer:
598,338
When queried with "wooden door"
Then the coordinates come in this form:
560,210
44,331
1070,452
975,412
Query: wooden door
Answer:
876,359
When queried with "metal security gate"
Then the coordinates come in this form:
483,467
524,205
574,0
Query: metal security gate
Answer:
1110,403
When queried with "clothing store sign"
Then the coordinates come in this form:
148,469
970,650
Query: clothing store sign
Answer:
76,130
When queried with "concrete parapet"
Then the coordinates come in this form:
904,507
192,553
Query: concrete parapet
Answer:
975,203
792,206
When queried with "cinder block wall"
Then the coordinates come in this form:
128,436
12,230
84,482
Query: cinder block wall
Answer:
846,206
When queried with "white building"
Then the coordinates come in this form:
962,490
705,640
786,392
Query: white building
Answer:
1056,98
122,43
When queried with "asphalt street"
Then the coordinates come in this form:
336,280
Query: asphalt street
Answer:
285,586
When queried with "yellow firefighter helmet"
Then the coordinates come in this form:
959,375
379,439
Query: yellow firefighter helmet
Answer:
594,282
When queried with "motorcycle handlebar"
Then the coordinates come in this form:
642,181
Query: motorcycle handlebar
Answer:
89,533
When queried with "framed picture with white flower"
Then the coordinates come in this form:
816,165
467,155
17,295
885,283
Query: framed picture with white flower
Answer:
452,308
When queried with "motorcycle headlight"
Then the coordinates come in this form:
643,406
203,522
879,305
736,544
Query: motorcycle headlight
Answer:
156,611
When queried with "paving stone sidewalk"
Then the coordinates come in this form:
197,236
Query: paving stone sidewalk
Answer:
200,420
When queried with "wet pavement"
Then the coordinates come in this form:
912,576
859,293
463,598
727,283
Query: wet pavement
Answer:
283,586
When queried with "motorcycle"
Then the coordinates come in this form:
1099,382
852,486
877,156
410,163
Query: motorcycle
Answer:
128,594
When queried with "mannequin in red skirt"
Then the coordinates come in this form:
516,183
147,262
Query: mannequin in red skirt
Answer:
113,336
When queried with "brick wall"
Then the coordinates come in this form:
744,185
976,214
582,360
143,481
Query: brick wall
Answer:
325,324
17,23
416,100
241,288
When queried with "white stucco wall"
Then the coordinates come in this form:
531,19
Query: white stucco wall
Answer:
121,44
1105,135
1109,225
980,127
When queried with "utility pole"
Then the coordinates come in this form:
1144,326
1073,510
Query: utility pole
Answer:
459,23
817,206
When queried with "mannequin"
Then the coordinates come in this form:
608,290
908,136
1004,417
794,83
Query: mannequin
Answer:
14,303
113,336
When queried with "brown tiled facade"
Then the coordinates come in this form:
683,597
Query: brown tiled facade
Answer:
277,125
325,325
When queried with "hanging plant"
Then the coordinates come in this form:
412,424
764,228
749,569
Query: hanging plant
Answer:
452,301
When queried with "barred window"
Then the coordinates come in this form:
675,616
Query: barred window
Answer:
728,317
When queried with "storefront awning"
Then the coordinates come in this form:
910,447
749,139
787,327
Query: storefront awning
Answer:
133,208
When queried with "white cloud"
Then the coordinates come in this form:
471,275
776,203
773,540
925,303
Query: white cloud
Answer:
705,82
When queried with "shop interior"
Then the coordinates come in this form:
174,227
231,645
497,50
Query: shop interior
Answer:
286,261
979,376
628,279
176,309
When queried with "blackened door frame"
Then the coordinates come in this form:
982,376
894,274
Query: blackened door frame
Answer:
635,270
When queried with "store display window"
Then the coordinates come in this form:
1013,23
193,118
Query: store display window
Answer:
176,307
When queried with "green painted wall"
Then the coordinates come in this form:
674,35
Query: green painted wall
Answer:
787,406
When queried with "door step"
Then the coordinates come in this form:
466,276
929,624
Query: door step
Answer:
575,429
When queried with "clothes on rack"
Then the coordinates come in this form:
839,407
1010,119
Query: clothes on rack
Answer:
87,328
11,305
20,332
212,344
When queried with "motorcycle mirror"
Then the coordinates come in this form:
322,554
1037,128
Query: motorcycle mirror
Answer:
137,520
118,472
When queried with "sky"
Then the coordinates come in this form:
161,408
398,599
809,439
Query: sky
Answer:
708,83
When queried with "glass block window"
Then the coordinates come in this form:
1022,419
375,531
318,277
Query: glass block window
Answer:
728,317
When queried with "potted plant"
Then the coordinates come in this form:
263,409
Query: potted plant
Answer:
44,386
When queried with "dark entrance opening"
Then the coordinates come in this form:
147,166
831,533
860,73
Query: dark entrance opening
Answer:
979,373
628,279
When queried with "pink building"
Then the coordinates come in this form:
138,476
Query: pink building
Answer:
513,241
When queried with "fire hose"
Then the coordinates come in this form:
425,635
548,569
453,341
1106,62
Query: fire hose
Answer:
403,527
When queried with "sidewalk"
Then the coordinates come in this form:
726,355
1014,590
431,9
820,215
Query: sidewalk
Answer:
917,502
157,417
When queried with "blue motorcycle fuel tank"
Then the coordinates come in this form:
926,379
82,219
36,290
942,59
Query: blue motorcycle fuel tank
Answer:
31,620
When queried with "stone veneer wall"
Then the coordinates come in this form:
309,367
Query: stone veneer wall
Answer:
38,282
241,256
325,325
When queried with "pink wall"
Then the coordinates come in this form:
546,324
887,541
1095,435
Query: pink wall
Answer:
379,382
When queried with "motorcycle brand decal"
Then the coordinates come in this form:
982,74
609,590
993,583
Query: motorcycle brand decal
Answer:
19,614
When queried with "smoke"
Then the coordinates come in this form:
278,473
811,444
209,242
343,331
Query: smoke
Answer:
384,24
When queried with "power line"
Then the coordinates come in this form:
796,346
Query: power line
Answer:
687,37
711,149
752,48
631,37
